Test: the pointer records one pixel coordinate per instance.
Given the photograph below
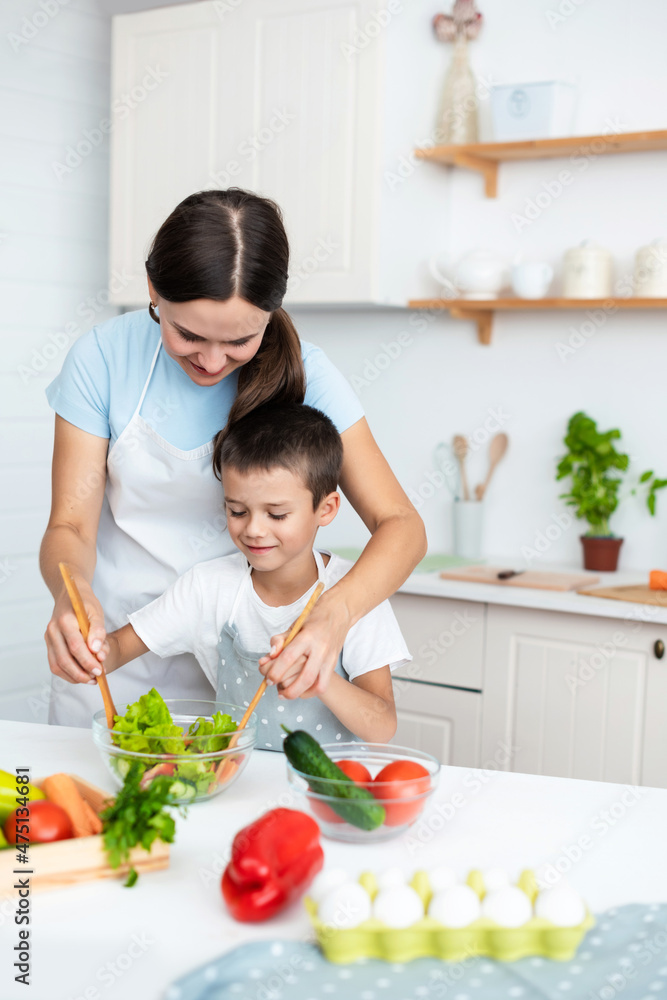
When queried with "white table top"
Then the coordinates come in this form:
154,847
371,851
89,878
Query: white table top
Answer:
80,936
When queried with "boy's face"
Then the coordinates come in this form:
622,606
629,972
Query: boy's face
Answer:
270,515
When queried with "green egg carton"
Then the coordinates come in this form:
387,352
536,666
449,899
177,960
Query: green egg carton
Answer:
429,938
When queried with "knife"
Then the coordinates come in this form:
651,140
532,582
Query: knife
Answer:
507,574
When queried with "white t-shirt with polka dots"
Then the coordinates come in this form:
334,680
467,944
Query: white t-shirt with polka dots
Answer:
189,617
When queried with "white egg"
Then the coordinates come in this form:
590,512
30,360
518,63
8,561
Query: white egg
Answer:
441,878
326,880
391,877
495,878
509,906
455,907
398,906
561,906
345,906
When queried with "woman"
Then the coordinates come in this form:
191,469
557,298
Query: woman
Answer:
138,406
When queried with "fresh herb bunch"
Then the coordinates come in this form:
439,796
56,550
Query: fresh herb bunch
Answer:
137,816
590,461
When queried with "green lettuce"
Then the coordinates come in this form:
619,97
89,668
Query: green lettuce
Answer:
147,727
215,729
200,773
148,717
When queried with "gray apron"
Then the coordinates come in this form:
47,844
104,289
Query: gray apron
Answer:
239,677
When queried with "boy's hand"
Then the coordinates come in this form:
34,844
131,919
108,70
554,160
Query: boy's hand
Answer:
304,669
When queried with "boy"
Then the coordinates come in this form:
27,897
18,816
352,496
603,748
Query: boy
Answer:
279,468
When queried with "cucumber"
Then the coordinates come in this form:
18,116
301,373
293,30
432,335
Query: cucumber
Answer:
182,789
356,806
123,765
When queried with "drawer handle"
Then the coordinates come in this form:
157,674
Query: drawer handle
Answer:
659,649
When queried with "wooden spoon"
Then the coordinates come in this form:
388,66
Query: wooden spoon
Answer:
294,630
460,446
497,449
84,626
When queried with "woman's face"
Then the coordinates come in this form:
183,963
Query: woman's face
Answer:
210,339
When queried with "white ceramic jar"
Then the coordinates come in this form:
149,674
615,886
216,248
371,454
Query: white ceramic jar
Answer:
650,277
587,272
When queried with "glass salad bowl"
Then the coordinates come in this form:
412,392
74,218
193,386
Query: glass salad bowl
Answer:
186,739
396,803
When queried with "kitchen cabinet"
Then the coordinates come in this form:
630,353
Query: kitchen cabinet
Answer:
438,694
442,721
304,101
445,638
576,696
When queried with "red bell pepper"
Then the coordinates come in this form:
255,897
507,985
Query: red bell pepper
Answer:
273,861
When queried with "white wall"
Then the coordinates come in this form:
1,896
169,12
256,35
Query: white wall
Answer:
54,84
445,383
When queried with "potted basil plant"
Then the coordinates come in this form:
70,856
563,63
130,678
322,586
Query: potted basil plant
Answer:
596,469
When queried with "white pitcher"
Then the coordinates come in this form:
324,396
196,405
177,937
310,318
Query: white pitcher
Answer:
479,274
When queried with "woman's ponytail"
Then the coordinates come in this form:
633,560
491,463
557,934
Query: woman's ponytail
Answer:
274,375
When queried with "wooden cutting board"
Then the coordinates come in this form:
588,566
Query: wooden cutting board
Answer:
638,594
530,578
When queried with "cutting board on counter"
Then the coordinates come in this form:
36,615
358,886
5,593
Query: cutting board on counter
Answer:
531,578
637,594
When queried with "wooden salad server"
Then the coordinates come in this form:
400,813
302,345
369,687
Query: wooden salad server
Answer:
84,626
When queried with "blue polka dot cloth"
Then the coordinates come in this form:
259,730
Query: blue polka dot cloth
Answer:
624,957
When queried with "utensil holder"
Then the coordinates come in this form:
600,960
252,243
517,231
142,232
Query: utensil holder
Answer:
468,517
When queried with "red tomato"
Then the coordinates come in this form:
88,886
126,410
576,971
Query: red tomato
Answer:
46,822
402,779
353,769
153,772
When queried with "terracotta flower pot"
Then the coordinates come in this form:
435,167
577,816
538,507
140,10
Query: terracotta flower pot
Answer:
601,552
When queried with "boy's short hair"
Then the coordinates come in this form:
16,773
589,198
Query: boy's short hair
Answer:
289,435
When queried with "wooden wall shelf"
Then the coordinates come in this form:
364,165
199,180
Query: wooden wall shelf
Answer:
481,311
484,157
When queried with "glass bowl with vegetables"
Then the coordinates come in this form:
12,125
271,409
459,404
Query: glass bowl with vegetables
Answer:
360,792
190,740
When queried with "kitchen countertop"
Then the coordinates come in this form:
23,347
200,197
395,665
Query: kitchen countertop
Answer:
432,585
100,941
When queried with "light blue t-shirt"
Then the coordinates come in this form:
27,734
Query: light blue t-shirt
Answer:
105,371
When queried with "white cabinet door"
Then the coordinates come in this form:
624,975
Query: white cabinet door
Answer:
445,638
304,101
444,722
322,165
258,97
575,696
654,743
167,69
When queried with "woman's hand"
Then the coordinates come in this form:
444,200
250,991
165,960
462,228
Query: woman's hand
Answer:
70,657
304,669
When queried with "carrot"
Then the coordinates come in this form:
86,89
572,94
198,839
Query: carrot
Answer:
657,579
60,788
94,821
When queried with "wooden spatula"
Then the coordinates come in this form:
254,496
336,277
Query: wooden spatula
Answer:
84,626
294,630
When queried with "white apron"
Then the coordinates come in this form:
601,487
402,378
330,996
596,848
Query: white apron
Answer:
162,513
239,678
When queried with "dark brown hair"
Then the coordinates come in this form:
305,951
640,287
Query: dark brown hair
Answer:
291,436
217,244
